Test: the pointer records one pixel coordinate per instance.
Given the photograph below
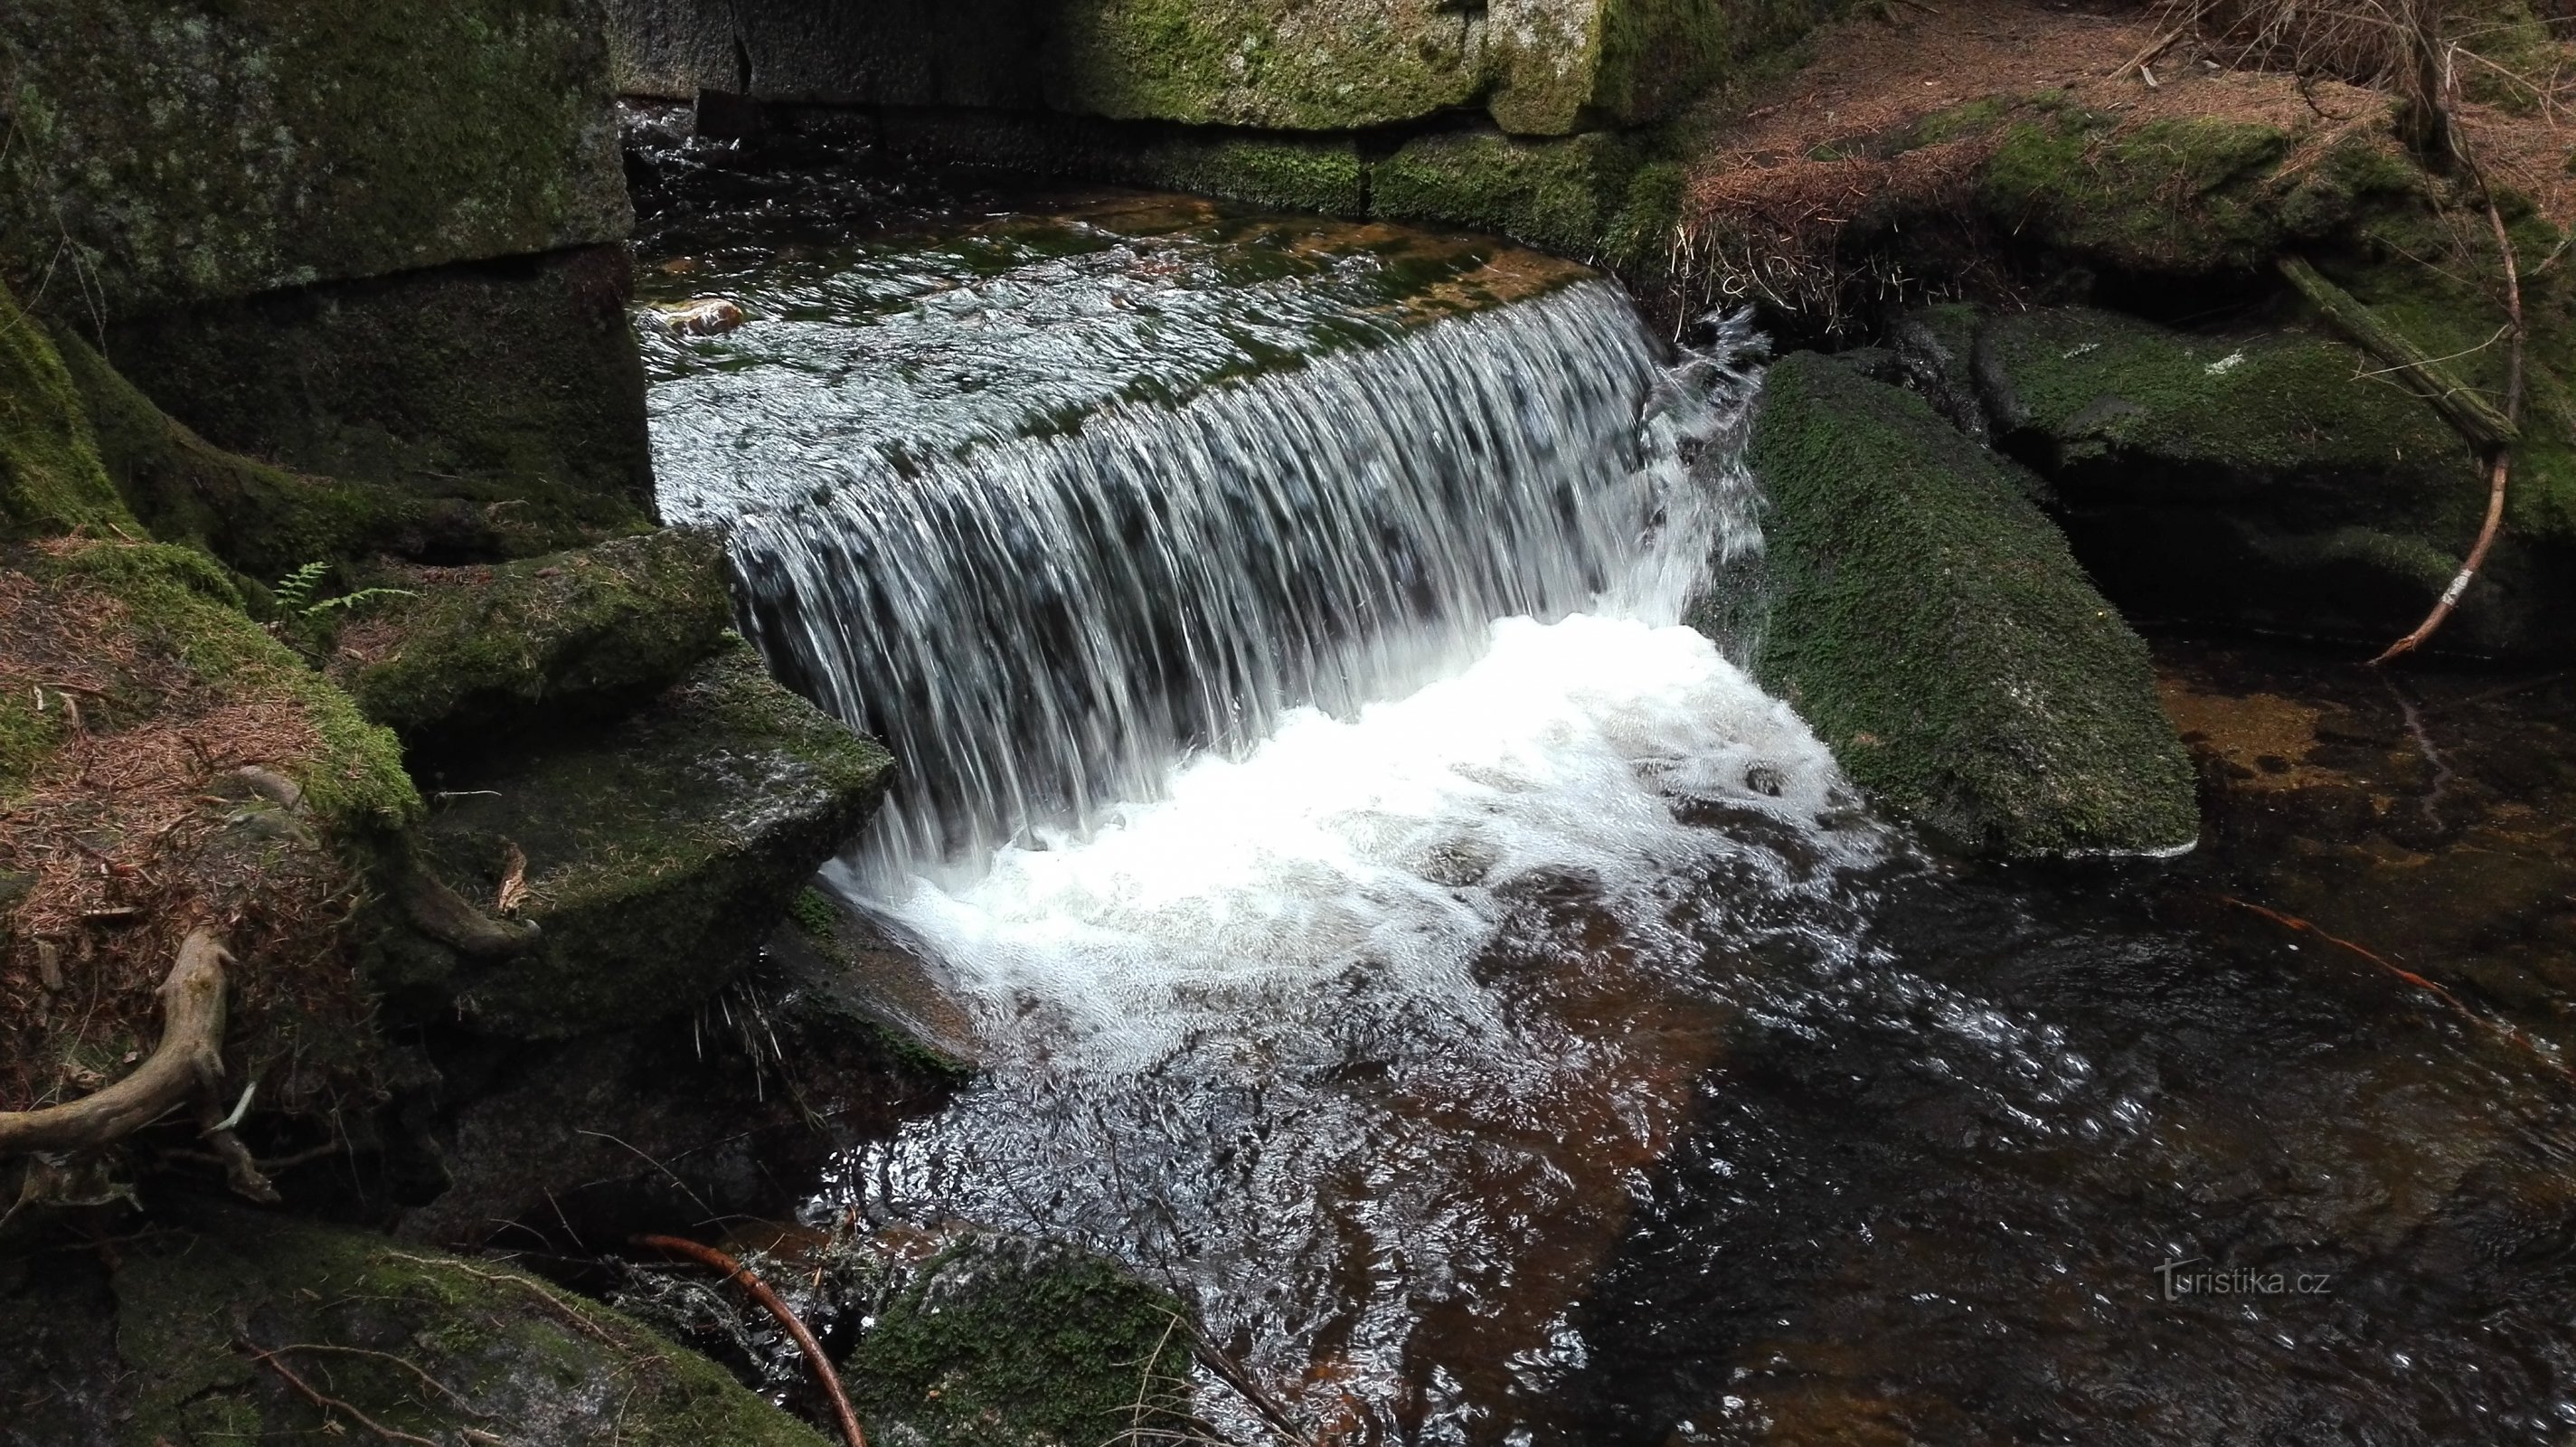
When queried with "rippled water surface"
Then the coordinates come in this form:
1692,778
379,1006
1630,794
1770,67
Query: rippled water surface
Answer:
1534,1042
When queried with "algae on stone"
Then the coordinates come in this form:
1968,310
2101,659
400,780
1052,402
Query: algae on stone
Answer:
1928,622
478,652
1561,196
658,851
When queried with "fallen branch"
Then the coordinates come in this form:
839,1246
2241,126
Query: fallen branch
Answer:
759,1291
2497,1028
2500,463
2473,416
188,1062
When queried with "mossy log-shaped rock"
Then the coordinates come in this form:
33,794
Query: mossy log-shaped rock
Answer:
475,651
169,154
1007,1341
657,853
2277,479
221,1314
1928,622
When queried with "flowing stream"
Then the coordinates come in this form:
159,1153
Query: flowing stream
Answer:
1385,925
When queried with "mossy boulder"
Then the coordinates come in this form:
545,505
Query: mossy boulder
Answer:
2274,478
512,388
213,1305
657,852
170,154
1006,1341
2178,196
475,653
1928,622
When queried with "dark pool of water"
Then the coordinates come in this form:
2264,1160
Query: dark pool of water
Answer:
2104,1155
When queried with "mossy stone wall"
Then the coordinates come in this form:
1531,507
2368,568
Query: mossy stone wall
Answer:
165,152
1536,67
512,384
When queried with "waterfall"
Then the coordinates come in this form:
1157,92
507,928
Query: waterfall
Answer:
1042,626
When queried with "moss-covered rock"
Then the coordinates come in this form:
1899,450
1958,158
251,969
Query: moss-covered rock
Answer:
2275,479
1004,1341
168,154
2177,196
475,653
511,386
1927,621
657,853
51,480
180,603
442,1347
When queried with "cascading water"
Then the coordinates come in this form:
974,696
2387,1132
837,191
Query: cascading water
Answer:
1041,625
1388,929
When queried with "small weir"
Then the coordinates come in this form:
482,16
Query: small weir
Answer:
1389,929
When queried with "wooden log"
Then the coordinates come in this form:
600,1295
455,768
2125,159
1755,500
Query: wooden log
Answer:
186,1063
2476,419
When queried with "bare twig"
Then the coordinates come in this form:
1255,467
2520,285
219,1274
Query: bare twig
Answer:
758,1290
1234,1376
330,1404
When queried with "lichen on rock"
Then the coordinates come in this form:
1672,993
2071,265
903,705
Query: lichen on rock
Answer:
1928,622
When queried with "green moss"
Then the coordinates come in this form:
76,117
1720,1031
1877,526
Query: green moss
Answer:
812,913
167,156
378,1323
1276,172
2410,265
2282,422
475,651
180,600
50,477
27,738
659,852
1006,1342
1562,196
1321,65
2174,196
1929,624
1641,236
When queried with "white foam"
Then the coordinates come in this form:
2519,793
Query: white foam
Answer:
1381,840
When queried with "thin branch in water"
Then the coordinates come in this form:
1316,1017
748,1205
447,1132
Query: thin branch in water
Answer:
740,1275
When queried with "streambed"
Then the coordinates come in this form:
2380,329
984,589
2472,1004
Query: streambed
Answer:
1405,941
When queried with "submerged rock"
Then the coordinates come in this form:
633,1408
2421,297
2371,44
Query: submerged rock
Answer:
1928,622
654,855
215,1310
535,643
